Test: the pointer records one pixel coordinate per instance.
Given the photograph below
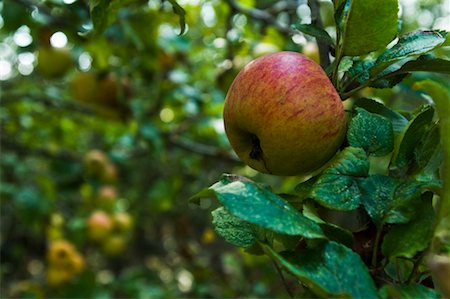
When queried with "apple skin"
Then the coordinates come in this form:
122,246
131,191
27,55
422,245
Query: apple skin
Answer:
283,116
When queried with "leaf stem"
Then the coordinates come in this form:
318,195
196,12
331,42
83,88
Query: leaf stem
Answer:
375,247
335,74
412,276
283,279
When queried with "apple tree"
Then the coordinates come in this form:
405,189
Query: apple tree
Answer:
373,220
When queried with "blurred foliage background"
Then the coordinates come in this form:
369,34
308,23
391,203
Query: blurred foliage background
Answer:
106,135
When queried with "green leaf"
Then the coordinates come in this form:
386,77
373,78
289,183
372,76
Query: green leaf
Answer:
405,240
393,65
359,73
388,201
441,97
368,25
104,12
314,31
178,10
233,229
427,147
435,65
250,202
99,14
372,132
399,122
407,195
332,231
412,44
399,269
337,187
378,196
413,134
388,82
407,292
329,269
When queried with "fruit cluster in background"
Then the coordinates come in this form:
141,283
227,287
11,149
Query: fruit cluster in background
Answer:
108,226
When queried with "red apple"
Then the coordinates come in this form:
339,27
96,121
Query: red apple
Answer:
283,115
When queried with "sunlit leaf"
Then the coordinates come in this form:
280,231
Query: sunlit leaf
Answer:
368,25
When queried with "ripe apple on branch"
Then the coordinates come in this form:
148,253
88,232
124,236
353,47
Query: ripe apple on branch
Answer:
283,115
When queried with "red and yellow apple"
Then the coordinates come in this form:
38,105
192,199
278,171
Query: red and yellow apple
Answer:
283,115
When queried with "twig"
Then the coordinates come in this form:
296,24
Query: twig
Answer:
375,247
25,150
13,97
316,20
413,273
261,15
283,279
202,149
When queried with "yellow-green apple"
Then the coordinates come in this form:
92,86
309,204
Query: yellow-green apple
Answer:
99,225
283,115
114,244
54,62
123,222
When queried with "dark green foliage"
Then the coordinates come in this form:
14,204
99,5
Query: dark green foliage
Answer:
324,268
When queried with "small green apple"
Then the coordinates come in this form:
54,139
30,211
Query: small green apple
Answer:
283,115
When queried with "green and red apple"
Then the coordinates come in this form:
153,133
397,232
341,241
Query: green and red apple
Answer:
283,115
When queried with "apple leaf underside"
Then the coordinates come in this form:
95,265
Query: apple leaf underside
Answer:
234,230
